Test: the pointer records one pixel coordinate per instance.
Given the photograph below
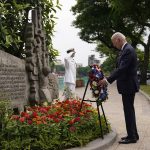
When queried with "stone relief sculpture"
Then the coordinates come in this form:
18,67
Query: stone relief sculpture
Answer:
53,85
37,62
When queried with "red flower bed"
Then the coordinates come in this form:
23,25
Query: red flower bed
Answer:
58,126
55,113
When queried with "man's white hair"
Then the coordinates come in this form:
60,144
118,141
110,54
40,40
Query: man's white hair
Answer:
118,35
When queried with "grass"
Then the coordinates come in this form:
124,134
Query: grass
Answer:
145,88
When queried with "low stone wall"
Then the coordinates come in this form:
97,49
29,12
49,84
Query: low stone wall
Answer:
13,80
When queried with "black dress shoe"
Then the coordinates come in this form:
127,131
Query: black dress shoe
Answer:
123,138
127,141
126,137
137,137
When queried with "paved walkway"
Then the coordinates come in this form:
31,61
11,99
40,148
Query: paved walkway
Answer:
114,112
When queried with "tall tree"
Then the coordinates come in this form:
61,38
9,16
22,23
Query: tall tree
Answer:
99,19
137,14
13,19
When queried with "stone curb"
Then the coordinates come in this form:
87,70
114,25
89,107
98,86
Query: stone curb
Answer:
146,95
99,143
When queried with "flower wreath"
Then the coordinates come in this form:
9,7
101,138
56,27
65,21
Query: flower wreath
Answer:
98,91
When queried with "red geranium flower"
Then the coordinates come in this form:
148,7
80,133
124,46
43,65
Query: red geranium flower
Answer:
56,120
77,119
29,121
43,110
34,114
22,119
72,121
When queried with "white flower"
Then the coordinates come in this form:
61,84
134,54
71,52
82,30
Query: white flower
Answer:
96,91
94,83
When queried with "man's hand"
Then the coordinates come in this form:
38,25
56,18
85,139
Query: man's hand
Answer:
103,82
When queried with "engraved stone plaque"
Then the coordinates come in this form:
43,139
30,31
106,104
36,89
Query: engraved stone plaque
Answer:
13,80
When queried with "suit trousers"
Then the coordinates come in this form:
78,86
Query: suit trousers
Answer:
129,113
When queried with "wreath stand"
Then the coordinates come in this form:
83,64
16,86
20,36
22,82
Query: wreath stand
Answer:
98,111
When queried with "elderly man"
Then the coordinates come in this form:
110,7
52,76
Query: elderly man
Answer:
127,84
70,74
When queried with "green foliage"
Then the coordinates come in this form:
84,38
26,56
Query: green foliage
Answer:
83,71
98,20
10,25
140,55
13,19
93,20
5,112
60,68
145,88
140,13
109,65
54,127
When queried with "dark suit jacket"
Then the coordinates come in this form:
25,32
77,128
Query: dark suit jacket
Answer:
126,71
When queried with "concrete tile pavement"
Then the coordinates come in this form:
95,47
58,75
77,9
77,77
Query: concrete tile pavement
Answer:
114,111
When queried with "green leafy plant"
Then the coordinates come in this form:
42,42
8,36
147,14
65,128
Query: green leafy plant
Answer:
68,93
13,20
5,112
57,126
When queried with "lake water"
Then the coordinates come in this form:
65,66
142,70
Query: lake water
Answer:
61,87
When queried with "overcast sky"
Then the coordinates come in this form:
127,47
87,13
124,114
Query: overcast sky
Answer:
66,36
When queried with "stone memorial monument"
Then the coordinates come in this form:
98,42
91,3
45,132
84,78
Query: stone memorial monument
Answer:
37,61
29,81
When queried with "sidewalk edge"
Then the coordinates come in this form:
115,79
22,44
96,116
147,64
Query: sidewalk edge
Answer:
99,143
146,95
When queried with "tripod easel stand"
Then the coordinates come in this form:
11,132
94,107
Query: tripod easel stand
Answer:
98,111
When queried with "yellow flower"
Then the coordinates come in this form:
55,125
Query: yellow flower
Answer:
45,104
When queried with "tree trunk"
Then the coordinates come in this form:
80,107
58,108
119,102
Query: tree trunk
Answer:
145,64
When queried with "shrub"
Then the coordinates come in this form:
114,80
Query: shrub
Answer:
5,111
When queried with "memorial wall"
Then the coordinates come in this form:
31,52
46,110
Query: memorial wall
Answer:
13,80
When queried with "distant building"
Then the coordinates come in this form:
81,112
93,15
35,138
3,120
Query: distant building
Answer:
92,60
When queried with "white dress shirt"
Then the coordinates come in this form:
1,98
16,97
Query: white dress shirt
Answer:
123,45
